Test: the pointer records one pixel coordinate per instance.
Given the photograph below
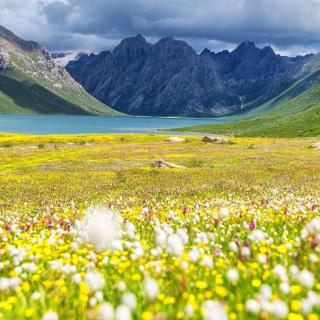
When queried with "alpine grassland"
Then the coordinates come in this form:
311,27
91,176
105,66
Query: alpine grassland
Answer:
283,116
90,229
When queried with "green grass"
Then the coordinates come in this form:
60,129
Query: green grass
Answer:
22,95
297,117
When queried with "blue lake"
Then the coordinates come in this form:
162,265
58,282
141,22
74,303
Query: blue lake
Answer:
55,124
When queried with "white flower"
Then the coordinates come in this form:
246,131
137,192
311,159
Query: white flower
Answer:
122,313
151,288
279,309
174,245
314,226
36,295
284,287
101,228
253,306
160,237
233,275
266,291
189,310
294,271
313,258
233,246
262,258
306,278
257,236
224,212
121,286
193,254
94,281
50,316
76,278
129,299
245,252
213,311
105,312
9,283
182,233
281,272
92,302
99,296
306,306
207,262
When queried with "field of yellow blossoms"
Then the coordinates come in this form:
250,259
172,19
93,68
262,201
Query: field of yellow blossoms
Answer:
90,230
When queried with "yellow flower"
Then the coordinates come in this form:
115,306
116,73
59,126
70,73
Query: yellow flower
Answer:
295,305
296,289
256,283
29,312
146,315
136,277
295,316
169,300
282,249
233,316
221,291
201,284
239,307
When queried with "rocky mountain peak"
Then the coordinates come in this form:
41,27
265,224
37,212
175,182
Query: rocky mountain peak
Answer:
23,44
170,78
131,49
131,42
206,51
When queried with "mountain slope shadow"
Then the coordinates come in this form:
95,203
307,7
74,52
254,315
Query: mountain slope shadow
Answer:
33,96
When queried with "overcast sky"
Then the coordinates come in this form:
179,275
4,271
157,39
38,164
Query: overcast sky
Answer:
290,26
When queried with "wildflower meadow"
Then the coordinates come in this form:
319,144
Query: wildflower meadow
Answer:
89,229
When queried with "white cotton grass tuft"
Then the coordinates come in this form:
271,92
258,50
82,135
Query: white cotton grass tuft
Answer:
213,310
9,283
279,309
122,313
94,281
102,228
50,316
151,288
105,312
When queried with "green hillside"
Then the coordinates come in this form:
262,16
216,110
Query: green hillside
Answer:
31,82
22,95
296,117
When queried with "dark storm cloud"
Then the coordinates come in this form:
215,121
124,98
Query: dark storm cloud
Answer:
291,26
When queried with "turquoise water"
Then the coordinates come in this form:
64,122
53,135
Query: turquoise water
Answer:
55,124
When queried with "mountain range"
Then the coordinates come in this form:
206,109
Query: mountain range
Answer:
32,82
169,78
261,92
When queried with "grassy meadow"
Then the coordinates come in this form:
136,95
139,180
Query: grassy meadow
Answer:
90,230
284,116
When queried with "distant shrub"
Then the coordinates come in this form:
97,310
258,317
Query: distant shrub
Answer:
81,142
40,146
7,145
196,163
230,142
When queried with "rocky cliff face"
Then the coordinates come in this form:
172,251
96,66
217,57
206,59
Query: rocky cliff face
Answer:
5,63
170,78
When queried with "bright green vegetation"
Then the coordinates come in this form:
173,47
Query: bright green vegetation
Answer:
282,117
23,95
